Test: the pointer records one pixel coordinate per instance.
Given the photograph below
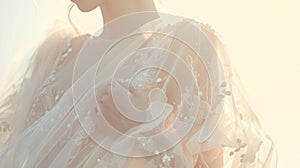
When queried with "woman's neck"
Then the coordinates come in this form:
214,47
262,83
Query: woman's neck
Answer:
136,12
112,9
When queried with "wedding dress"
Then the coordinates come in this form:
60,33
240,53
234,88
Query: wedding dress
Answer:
163,96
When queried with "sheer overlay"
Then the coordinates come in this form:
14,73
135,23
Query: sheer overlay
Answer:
166,97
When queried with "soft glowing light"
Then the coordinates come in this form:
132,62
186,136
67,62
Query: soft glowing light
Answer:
262,38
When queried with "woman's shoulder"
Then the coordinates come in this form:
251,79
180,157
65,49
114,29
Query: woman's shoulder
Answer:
62,39
56,46
194,28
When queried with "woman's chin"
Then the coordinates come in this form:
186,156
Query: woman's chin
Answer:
84,8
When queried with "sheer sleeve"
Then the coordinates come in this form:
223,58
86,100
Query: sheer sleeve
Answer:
17,100
238,132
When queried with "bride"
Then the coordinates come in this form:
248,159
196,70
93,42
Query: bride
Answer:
152,90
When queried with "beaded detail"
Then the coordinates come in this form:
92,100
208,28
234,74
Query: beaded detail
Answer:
38,108
4,127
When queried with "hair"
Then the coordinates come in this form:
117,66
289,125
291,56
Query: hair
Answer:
77,30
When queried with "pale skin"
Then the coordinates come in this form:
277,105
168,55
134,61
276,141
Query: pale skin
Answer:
112,9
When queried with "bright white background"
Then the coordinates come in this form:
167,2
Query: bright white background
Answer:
262,38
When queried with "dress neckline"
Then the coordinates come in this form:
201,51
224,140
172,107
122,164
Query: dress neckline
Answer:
141,27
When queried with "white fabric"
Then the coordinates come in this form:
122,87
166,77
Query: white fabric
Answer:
60,124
